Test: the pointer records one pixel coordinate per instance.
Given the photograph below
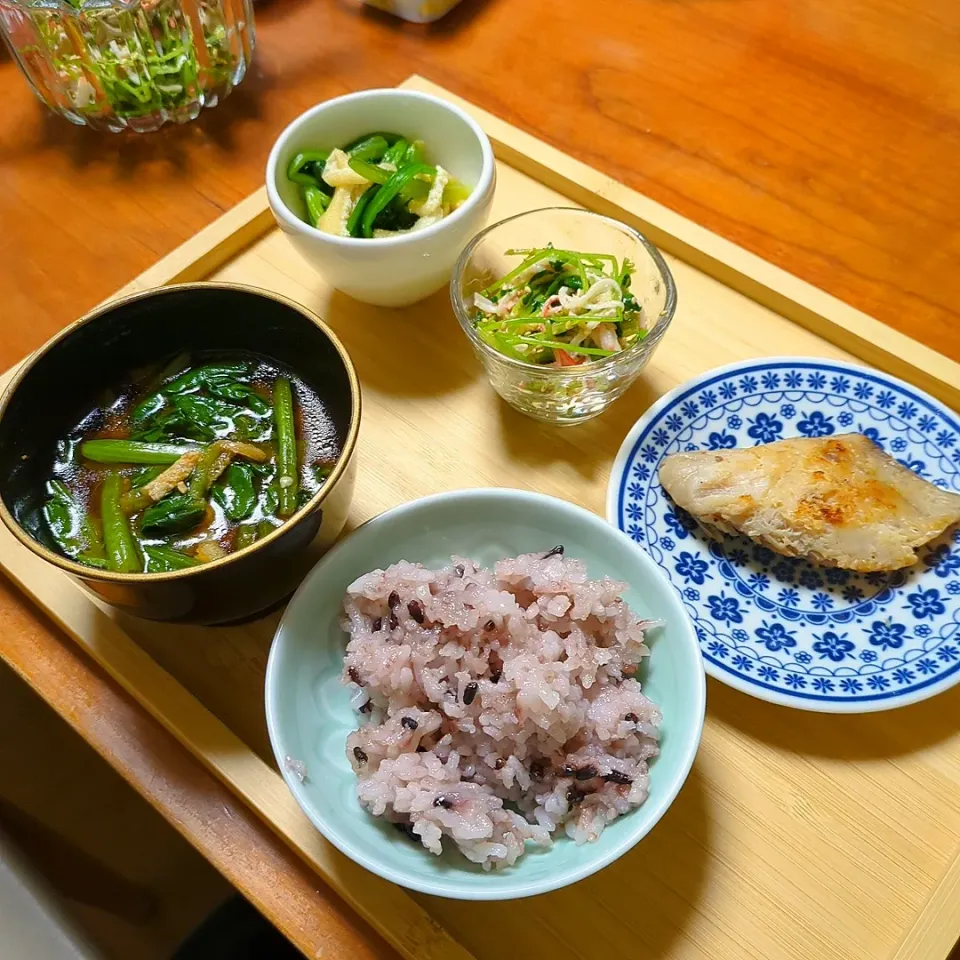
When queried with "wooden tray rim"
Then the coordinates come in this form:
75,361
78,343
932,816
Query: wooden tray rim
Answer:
802,303
398,918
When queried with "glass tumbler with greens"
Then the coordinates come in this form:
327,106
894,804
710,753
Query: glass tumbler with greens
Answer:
130,64
564,308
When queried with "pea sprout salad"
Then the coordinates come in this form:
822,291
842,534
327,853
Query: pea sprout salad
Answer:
380,185
560,308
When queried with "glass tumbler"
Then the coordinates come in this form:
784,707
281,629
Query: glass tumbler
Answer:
572,394
130,64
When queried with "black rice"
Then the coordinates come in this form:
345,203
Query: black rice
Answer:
415,609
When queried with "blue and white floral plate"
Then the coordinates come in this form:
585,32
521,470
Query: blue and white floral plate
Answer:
781,629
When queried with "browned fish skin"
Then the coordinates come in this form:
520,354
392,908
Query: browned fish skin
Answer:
839,501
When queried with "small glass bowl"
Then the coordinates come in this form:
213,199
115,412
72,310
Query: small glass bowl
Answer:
564,395
129,64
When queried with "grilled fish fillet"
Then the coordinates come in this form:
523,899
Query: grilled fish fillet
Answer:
839,501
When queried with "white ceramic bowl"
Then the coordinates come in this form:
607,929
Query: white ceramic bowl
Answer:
394,271
309,713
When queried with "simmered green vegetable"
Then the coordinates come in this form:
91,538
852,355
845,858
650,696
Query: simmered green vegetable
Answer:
322,471
415,153
236,493
398,188
188,382
164,560
246,535
207,459
316,202
287,479
397,152
373,148
305,167
175,514
145,474
199,377
211,464
390,190
149,408
120,547
74,531
372,173
271,498
355,220
132,451
241,393
390,138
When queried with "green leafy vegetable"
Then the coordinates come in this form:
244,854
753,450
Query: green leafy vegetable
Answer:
245,536
416,153
306,167
390,138
248,468
120,547
373,148
389,162
74,531
322,471
287,471
144,475
316,202
356,215
372,173
165,560
397,152
199,377
131,451
151,406
236,494
241,393
174,514
390,190
560,308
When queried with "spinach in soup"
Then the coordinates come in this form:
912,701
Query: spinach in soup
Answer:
203,457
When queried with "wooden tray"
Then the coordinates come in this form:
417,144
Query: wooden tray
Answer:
797,835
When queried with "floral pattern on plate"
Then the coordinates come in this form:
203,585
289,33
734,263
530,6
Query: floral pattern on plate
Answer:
782,629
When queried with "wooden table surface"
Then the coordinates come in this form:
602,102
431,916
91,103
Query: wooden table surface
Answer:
823,136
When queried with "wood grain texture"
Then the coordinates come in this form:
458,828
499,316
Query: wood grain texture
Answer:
736,268
797,834
84,801
935,931
821,135
99,630
193,801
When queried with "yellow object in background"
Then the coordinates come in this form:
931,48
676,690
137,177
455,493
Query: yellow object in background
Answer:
416,11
